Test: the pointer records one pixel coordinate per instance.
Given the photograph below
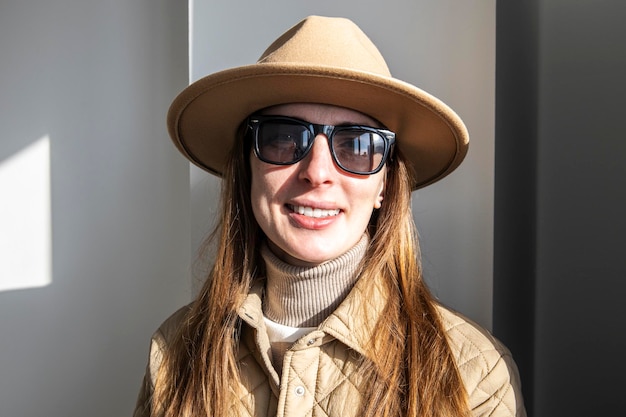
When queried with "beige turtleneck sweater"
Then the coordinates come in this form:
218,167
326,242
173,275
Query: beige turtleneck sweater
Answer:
298,299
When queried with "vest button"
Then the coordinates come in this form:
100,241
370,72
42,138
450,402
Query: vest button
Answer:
299,391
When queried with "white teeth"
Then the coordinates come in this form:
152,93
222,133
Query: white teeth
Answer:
314,212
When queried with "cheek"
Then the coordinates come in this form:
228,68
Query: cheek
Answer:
263,194
258,195
374,190
256,192
364,201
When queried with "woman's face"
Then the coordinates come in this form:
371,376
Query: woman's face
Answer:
312,211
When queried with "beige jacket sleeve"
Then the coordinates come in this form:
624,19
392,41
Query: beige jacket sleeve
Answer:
143,407
157,344
487,368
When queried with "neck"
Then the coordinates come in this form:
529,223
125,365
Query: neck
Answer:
304,296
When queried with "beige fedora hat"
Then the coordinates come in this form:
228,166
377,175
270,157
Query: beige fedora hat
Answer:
319,60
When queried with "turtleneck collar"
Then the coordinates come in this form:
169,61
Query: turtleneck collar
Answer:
304,296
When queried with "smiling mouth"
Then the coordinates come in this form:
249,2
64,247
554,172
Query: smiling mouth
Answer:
313,212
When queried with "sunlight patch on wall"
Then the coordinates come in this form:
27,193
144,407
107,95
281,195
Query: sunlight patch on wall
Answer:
25,219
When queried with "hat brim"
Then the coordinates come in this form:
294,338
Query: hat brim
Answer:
204,118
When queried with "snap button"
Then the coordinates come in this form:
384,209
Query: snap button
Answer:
299,390
310,342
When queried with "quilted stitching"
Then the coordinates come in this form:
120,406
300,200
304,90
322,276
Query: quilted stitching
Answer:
328,375
328,371
332,376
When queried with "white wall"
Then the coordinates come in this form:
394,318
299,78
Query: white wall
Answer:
445,47
96,78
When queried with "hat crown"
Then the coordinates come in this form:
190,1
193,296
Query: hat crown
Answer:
326,42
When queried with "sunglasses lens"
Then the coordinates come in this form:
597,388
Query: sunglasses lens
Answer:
358,150
282,142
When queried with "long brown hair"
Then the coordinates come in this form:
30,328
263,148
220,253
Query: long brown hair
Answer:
416,375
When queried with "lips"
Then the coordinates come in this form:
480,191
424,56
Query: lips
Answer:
314,212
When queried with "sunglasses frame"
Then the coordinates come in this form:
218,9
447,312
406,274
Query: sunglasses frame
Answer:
389,139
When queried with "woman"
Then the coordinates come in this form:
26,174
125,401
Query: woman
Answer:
316,304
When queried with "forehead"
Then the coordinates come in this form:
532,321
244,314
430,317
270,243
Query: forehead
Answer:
321,114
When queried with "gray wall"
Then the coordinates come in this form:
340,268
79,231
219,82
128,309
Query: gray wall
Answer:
445,47
96,77
560,230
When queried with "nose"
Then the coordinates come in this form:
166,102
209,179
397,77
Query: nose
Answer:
318,167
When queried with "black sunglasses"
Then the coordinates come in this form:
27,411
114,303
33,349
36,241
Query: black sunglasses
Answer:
360,150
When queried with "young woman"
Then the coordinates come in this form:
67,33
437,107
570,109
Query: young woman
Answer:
316,305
